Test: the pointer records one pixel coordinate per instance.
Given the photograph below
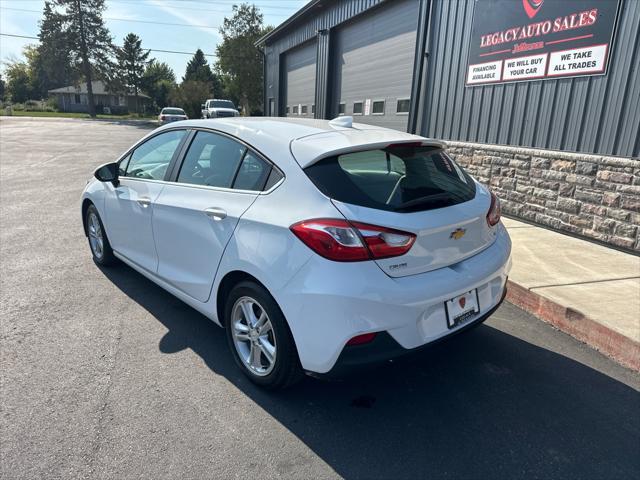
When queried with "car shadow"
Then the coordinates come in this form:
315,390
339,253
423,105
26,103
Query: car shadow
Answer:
482,405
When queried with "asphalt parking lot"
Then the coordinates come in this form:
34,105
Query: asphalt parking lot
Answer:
104,375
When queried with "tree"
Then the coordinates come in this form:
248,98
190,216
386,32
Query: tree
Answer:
18,81
51,64
190,95
132,60
239,60
158,81
198,70
90,44
1,89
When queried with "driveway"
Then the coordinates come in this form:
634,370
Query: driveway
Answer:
104,375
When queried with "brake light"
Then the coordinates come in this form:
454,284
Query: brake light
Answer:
405,145
493,215
344,241
162,117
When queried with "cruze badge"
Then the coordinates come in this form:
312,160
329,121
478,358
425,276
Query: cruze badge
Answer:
458,233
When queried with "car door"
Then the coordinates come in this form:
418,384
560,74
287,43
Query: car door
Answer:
195,216
129,206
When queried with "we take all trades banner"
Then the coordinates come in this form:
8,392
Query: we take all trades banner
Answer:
523,40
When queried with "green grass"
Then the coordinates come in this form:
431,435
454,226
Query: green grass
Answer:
22,113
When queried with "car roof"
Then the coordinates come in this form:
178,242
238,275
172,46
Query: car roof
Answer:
309,140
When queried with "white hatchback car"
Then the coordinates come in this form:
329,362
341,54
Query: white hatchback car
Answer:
317,245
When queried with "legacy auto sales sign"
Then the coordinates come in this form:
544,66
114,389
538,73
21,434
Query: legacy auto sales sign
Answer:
519,40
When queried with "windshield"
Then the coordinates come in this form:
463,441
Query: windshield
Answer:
223,104
172,111
398,178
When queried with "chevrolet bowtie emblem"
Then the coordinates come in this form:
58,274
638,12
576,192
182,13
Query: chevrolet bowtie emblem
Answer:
457,234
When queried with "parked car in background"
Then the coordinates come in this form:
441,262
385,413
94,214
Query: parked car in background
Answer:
217,108
171,114
317,245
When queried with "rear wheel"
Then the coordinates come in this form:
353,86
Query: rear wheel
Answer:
259,337
98,241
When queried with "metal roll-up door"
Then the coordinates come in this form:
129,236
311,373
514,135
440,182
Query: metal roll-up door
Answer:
373,63
300,80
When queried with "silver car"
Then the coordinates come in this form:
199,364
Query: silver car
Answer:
171,114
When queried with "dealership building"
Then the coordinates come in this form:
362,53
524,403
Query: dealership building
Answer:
540,99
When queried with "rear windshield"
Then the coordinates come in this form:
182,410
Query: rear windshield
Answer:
173,111
222,104
398,178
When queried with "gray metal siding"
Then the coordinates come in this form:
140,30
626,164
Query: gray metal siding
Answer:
326,17
271,78
373,59
322,74
599,114
300,78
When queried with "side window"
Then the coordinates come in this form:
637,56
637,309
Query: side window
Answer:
122,165
211,160
253,173
151,159
274,177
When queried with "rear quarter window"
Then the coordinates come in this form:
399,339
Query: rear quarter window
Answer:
398,178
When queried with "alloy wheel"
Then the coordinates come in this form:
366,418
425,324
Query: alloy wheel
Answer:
96,239
253,336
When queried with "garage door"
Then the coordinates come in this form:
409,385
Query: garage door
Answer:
300,80
373,65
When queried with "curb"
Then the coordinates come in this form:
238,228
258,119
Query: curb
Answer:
622,349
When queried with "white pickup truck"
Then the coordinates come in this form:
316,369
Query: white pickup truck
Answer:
215,108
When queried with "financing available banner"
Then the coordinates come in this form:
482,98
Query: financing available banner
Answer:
523,40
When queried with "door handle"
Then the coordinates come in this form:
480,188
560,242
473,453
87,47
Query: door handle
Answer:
215,213
144,201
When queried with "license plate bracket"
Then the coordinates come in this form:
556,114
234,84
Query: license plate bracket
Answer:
462,308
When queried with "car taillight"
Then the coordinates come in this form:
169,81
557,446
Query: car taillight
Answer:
162,117
345,241
493,215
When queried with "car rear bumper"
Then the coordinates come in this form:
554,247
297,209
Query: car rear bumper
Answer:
327,303
384,348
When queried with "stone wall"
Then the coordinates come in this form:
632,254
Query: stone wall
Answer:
593,196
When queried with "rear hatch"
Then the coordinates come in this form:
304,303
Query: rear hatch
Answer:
412,188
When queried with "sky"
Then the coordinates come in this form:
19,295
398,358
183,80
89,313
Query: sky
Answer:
199,21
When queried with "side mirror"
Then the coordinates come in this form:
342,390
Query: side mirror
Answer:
108,173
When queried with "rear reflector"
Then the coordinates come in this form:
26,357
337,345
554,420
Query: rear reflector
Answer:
344,241
362,339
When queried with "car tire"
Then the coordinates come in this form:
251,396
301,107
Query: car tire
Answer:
98,241
265,352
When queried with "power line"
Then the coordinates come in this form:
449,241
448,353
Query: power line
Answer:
17,36
151,49
123,19
220,4
208,10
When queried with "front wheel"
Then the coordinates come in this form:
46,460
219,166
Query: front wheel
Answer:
98,241
259,337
